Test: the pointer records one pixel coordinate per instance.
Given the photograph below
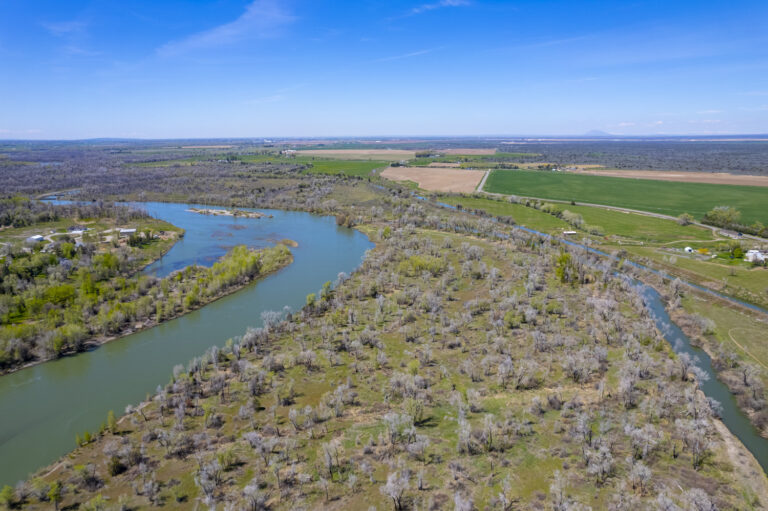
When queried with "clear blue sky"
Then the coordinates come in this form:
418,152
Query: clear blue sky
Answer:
234,68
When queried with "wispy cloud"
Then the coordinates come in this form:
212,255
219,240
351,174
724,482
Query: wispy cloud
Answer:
625,124
406,55
261,19
73,34
705,112
438,5
65,28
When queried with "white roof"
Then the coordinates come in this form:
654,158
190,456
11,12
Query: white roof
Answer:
36,237
123,231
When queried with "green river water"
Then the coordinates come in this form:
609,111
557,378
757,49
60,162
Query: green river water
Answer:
42,408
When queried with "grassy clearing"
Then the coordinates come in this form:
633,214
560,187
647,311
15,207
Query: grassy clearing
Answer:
523,215
360,168
669,198
639,227
742,333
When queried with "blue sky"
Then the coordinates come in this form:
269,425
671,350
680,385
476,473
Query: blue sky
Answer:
234,68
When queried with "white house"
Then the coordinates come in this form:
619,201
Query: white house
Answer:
755,256
35,239
127,232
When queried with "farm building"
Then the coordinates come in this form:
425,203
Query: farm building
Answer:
35,239
127,232
755,256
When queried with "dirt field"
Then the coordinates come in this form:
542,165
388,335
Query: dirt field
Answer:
718,178
468,151
439,179
361,154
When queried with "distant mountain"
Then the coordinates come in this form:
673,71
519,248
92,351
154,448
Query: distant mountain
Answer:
597,133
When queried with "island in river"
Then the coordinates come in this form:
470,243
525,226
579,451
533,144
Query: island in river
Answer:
229,212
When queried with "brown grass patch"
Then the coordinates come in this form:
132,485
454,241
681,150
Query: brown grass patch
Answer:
443,179
717,178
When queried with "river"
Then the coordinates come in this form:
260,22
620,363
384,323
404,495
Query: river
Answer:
43,407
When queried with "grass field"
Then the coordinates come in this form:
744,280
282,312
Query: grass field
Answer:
523,215
639,227
743,333
669,198
348,167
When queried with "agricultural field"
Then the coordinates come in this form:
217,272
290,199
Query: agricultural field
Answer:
358,168
439,179
667,198
717,178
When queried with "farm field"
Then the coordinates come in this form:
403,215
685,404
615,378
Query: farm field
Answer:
347,167
718,178
437,179
668,198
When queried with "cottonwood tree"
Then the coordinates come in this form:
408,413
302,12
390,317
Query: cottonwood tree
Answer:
397,484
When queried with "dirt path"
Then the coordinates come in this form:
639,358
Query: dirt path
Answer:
482,182
745,350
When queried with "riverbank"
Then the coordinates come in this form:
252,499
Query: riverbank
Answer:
281,258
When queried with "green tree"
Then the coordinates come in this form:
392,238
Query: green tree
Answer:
685,219
111,422
7,497
54,494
